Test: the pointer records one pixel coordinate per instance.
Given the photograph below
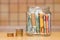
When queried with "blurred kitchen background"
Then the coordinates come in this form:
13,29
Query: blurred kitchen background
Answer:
13,13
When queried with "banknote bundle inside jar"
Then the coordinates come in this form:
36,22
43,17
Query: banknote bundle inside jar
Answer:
33,21
29,23
38,21
47,22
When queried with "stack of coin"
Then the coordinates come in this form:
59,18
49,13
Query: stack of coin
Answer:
19,32
10,34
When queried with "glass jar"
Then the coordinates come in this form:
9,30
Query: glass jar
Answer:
38,21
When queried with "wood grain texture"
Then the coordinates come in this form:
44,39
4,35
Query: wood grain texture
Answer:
10,12
57,1
53,36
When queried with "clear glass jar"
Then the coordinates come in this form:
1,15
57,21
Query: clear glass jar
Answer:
38,21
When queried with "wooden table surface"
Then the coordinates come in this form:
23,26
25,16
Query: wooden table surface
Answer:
53,36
